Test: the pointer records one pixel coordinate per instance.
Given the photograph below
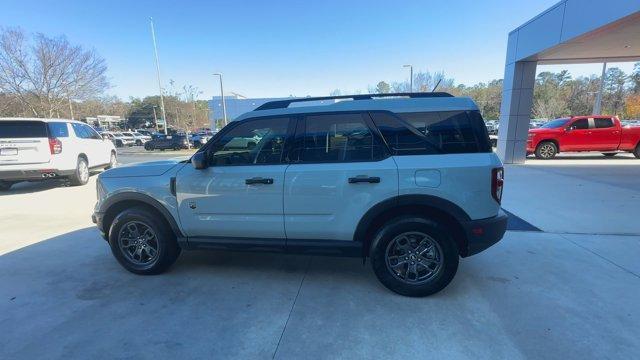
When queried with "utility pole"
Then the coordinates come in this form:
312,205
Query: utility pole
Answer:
224,105
155,49
597,107
410,76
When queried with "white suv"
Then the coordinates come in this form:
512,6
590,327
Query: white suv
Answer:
408,180
40,149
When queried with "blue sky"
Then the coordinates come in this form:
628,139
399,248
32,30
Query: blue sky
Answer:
281,48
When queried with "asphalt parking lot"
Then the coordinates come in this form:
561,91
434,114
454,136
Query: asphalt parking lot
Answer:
536,294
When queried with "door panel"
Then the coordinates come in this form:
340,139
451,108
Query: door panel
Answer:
240,194
217,201
321,203
605,136
339,172
578,138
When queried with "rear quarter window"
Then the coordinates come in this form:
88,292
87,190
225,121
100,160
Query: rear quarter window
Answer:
22,129
58,129
448,132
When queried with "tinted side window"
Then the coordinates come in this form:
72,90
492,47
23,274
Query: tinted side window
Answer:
80,131
337,138
402,137
580,124
91,133
603,123
58,129
257,141
434,132
22,129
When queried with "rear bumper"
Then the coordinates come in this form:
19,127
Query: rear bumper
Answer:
31,175
483,233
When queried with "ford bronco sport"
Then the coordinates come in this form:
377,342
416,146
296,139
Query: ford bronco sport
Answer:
407,180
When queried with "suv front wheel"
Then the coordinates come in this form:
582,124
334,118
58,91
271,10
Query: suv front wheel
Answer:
414,256
141,243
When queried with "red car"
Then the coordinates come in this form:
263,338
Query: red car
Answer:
583,133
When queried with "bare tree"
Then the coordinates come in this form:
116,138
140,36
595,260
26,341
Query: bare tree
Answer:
46,74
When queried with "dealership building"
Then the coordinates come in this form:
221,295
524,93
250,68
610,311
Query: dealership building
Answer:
570,32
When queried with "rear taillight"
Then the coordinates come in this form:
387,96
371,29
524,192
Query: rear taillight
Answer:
497,183
55,146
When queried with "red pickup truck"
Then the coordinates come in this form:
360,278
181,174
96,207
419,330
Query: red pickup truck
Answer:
583,133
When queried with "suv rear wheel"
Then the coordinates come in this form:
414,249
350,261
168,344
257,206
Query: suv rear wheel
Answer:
636,152
141,243
81,175
414,256
546,150
113,161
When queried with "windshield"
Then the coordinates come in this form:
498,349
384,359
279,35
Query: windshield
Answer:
553,124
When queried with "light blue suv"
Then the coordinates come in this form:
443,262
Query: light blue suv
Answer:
408,180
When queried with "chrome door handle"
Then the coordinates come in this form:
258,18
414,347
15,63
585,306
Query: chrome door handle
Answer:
364,179
258,180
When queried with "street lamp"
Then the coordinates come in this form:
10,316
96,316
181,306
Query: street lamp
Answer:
155,50
410,76
224,106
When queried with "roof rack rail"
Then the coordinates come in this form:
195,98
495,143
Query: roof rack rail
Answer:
282,104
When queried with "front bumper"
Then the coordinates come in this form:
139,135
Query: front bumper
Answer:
483,233
96,218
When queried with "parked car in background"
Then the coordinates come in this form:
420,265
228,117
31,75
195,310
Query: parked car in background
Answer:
410,183
199,139
145,132
164,142
42,149
583,133
129,137
118,139
491,126
138,139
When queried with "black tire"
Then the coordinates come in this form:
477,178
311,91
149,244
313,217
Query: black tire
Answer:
138,142
609,154
113,161
119,143
81,175
636,152
441,243
546,150
148,147
5,185
167,249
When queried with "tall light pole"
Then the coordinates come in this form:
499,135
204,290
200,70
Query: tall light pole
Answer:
597,107
410,76
224,105
155,49
155,117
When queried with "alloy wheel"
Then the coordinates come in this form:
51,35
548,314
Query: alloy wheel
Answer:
83,171
547,151
138,243
414,257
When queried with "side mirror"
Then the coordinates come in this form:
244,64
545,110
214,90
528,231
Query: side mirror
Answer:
199,160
